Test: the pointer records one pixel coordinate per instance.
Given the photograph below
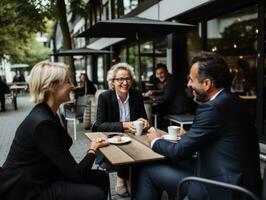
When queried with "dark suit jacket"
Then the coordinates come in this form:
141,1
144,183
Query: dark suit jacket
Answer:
108,118
40,155
224,136
4,89
87,86
173,98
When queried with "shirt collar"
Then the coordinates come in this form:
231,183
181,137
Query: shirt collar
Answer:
214,96
118,98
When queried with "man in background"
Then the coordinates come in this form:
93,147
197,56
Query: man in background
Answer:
3,90
172,99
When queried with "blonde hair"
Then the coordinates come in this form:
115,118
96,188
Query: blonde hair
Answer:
45,75
114,69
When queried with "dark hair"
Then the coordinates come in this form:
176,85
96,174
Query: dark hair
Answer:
161,65
85,75
212,66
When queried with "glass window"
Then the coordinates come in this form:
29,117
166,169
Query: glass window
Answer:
129,5
149,57
123,55
105,11
146,68
100,71
79,63
193,44
235,37
133,60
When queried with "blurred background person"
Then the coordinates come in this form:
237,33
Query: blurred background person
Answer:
85,86
172,100
4,89
19,77
156,84
117,109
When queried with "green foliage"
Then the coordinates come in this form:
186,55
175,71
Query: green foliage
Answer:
20,20
243,35
32,53
78,7
237,39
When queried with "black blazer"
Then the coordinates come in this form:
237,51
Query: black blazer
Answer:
39,155
108,118
173,98
224,136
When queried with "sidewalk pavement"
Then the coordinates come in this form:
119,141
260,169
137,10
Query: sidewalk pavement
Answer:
10,120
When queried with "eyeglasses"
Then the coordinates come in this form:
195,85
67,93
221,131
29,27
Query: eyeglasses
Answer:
121,80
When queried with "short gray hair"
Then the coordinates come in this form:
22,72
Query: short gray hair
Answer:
45,75
114,69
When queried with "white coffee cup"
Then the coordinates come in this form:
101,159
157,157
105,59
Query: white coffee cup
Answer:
139,127
173,132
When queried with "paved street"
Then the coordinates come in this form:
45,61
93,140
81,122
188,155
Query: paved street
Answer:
10,120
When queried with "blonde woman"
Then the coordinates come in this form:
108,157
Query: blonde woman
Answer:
39,164
117,109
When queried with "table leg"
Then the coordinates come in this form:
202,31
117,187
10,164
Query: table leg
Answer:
155,120
15,102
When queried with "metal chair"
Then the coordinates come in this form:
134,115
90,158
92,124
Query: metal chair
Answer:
182,119
76,112
236,188
11,99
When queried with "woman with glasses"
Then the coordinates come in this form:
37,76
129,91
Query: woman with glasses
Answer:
39,164
116,111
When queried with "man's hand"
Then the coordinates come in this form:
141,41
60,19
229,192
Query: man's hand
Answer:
149,93
182,132
152,134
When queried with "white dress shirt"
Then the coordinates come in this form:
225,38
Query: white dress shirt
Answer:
124,112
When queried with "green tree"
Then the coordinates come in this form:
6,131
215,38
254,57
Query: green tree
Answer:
32,53
21,19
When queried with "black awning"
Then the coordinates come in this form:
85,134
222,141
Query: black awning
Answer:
133,27
81,51
212,9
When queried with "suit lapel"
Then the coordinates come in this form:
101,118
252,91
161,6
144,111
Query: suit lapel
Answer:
115,106
132,106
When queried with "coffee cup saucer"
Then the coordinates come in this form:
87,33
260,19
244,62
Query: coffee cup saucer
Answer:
168,137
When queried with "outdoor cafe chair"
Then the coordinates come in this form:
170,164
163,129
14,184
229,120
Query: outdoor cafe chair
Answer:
11,100
76,112
226,186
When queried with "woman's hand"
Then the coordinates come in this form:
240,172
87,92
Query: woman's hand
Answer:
146,124
129,126
97,143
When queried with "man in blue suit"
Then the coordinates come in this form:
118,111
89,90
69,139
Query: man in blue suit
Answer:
222,134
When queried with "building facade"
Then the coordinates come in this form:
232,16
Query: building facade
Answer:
236,29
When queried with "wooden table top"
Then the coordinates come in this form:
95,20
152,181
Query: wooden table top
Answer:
14,87
137,151
248,97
